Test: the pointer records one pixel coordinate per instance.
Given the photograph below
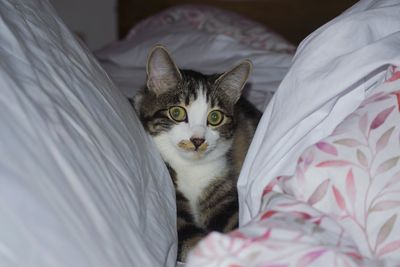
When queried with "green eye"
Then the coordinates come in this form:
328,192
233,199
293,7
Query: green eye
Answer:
177,113
215,117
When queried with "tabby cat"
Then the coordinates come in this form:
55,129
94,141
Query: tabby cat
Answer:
202,128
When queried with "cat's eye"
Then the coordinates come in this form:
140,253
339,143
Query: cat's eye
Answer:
177,113
215,118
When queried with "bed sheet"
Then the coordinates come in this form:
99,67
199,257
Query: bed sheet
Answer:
320,184
205,39
81,183
341,206
333,71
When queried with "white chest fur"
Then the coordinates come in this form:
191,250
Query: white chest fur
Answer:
193,179
193,176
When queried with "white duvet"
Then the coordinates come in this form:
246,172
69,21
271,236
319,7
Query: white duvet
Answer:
80,183
321,182
332,71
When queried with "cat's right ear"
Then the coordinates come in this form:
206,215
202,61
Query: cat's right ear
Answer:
162,73
233,81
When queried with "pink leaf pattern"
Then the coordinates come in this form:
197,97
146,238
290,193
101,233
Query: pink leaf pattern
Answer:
381,98
354,255
390,247
383,140
362,159
397,94
270,186
308,157
333,163
386,229
339,198
395,76
300,173
362,166
349,142
394,180
216,21
373,98
387,165
385,205
319,193
381,117
350,187
362,124
307,259
327,148
268,214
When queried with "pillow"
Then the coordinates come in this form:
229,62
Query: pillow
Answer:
330,76
205,39
210,21
340,208
81,184
354,176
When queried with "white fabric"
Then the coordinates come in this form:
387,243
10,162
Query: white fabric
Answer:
331,73
193,49
340,208
80,182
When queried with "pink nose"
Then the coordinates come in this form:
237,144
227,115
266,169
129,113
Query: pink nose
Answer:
197,142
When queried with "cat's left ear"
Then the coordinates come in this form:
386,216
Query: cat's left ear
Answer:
162,73
233,81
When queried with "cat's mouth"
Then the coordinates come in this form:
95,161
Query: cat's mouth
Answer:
187,145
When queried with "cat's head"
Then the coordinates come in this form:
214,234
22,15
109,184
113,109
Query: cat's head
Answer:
190,115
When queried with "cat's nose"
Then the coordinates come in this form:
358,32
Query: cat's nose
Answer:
197,142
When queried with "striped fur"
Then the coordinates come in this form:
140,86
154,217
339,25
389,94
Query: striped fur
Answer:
205,176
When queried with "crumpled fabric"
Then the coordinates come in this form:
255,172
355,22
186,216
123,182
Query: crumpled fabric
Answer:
81,183
332,72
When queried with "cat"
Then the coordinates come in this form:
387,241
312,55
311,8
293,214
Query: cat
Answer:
202,128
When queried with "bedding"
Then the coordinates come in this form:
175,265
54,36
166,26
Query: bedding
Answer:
83,185
80,181
202,38
320,184
328,79
339,208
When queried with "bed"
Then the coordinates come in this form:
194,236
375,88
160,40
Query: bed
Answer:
83,185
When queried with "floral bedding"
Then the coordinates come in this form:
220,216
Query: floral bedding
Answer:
205,39
214,20
340,208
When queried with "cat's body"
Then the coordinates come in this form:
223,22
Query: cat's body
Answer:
202,128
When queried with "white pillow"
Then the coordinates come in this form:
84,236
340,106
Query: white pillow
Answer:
212,41
80,182
331,72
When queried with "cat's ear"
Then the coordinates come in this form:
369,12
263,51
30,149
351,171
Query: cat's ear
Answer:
162,73
233,81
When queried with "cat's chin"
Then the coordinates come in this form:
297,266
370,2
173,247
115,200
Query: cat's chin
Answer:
192,155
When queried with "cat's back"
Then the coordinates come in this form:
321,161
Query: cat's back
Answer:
248,117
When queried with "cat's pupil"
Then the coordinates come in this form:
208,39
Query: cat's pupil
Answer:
176,113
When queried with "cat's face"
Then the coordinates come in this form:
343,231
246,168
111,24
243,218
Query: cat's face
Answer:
189,115
192,120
